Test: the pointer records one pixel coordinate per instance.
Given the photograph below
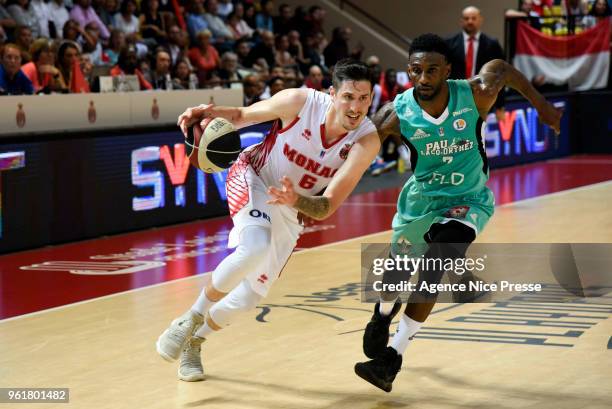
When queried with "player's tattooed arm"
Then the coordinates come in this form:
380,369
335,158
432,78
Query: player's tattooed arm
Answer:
316,207
387,123
497,74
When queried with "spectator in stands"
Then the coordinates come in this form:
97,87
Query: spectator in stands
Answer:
72,31
107,12
152,26
313,23
87,67
264,19
58,15
277,71
262,69
264,49
276,84
23,40
538,5
204,57
526,9
283,23
69,64
296,50
574,7
242,48
292,77
174,44
127,64
195,18
389,87
244,28
224,8
228,71
314,79
160,77
282,57
238,27
92,45
373,63
83,13
12,80
338,47
252,87
471,49
126,21
599,10
182,75
41,12
23,14
310,54
216,24
115,45
41,71
249,14
7,22
574,11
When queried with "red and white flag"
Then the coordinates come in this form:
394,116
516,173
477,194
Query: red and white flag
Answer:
581,60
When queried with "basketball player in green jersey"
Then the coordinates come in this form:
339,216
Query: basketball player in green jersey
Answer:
446,199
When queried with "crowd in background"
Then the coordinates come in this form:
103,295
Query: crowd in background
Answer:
61,46
555,17
66,46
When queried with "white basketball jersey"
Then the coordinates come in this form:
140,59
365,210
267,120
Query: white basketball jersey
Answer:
299,151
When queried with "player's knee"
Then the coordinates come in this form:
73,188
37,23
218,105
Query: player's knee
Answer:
238,301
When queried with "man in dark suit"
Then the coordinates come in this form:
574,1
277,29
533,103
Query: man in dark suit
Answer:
471,49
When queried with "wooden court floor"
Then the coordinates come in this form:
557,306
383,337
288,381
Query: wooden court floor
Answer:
297,350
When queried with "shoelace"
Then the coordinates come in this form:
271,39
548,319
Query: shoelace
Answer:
191,357
180,333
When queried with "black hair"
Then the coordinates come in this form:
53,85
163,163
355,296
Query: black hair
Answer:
274,79
124,5
607,11
349,69
430,43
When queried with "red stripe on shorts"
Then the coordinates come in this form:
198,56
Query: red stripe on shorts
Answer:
236,186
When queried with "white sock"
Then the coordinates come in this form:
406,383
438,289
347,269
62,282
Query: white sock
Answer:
384,308
240,300
204,331
406,329
202,304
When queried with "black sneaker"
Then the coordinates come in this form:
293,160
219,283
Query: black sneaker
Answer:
376,335
382,370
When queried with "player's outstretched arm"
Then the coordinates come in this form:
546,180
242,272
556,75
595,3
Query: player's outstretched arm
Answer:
497,74
284,105
342,184
387,123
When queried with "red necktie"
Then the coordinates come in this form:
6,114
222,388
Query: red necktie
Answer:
469,58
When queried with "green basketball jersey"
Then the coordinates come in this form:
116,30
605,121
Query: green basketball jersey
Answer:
447,153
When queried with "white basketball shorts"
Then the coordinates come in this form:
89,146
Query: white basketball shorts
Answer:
247,196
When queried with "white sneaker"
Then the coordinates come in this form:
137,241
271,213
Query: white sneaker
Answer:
190,368
172,341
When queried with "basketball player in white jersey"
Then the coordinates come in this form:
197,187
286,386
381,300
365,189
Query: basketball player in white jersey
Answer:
318,141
